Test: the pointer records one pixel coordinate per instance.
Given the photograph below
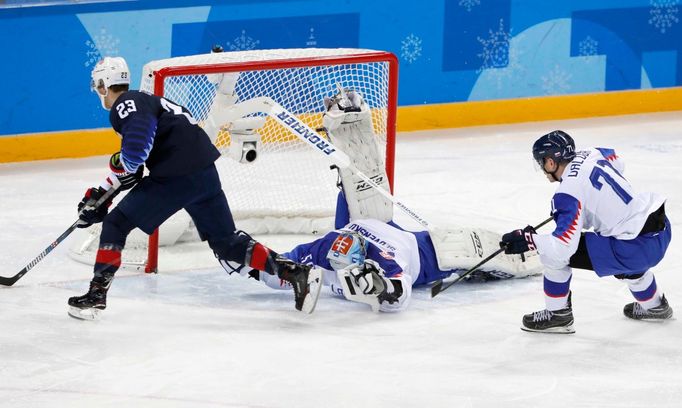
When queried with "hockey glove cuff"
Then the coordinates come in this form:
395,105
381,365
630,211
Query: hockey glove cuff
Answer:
518,241
120,178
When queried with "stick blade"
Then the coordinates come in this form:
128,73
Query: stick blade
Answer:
8,281
437,288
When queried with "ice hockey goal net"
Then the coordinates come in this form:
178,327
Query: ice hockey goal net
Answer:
289,187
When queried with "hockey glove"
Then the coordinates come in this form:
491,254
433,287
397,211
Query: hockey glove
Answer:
518,241
88,214
127,180
370,279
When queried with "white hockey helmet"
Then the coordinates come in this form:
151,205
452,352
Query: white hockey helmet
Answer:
109,71
349,248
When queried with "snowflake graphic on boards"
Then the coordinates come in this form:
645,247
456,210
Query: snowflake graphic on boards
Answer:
312,41
556,82
495,48
588,47
242,43
411,48
101,45
664,14
514,69
469,4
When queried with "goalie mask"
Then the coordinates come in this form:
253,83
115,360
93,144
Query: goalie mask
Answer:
109,71
349,248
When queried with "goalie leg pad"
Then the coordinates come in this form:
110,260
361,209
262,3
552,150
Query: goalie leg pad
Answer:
463,248
358,141
348,121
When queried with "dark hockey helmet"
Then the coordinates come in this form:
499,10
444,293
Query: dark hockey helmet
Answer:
557,144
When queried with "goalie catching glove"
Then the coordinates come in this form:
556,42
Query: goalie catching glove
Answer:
366,283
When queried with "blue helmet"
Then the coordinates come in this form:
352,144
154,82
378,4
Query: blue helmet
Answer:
557,145
347,249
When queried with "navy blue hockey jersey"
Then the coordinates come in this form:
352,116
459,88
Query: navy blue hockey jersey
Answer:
161,134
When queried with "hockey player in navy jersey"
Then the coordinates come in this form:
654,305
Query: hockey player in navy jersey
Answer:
630,232
179,155
370,259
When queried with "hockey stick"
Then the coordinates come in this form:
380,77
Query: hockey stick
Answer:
341,159
9,281
439,286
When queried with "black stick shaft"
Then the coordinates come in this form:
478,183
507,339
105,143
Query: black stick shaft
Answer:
439,286
9,281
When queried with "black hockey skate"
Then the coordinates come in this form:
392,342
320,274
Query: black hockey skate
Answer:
547,321
306,282
661,312
89,306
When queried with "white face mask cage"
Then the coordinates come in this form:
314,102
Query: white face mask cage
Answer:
95,86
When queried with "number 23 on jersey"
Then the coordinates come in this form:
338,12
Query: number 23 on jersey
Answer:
124,108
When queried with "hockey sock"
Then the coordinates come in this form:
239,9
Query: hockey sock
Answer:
644,290
260,257
108,260
557,285
241,249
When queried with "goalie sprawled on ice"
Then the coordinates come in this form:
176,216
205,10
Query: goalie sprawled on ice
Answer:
369,258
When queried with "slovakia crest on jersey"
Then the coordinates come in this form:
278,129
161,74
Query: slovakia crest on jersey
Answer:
387,255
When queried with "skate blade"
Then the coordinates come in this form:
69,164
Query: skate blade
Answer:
554,330
652,319
84,314
315,286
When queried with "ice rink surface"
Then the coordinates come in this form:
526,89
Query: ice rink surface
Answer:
200,338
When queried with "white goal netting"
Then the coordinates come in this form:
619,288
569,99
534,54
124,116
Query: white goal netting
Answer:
274,182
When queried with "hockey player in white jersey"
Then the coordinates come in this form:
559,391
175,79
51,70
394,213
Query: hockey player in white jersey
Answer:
370,259
630,234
